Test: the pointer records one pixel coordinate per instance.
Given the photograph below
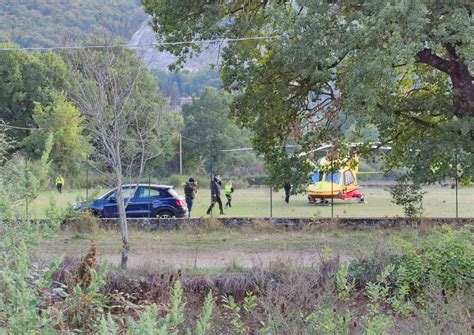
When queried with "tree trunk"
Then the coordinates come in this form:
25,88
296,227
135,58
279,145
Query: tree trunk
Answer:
463,90
123,223
460,75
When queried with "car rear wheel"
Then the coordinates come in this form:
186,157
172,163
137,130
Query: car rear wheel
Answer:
165,215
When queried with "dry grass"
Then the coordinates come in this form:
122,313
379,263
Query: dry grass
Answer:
287,291
197,248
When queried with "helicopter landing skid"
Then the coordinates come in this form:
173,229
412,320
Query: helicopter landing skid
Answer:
322,202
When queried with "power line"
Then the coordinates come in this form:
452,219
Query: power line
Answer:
20,128
132,46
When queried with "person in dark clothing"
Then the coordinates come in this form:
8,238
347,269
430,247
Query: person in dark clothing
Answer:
190,193
287,187
216,194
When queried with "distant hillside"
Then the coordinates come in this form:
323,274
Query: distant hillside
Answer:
155,59
32,23
45,23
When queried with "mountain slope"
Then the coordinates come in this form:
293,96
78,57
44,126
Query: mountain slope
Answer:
33,23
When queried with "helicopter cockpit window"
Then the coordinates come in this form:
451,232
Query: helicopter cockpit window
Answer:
333,177
316,177
348,178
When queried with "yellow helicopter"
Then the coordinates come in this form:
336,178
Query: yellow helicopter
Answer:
337,177
341,184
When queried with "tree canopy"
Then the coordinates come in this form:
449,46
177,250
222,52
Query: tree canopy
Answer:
26,79
404,66
62,120
44,23
208,130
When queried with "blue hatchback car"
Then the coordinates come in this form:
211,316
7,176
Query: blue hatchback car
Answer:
144,200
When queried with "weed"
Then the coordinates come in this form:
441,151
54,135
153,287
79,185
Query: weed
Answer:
343,284
85,223
203,325
263,226
328,322
234,267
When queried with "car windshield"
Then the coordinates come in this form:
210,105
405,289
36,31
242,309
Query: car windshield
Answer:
333,177
316,176
127,192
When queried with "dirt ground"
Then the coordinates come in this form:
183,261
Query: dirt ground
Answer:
223,249
224,259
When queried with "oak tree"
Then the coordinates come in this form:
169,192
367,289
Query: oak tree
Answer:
404,66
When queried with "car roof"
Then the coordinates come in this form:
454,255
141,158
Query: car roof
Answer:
151,185
136,185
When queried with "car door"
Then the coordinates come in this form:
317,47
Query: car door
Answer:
111,208
145,200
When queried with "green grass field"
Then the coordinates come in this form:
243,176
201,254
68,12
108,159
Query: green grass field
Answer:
438,202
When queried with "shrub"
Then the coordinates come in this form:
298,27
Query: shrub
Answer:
410,197
256,180
446,255
85,223
22,282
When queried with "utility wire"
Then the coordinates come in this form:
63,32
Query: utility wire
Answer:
4,125
154,44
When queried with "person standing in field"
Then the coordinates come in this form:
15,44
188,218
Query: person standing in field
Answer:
287,187
59,183
216,194
229,189
190,193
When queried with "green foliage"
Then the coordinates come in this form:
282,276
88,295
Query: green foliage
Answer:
435,273
87,222
203,325
379,292
21,181
84,305
401,70
177,85
146,324
445,255
5,208
410,197
22,281
70,147
123,110
375,322
5,144
328,322
343,284
149,323
28,78
45,23
238,326
378,324
401,301
106,325
54,214
208,129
